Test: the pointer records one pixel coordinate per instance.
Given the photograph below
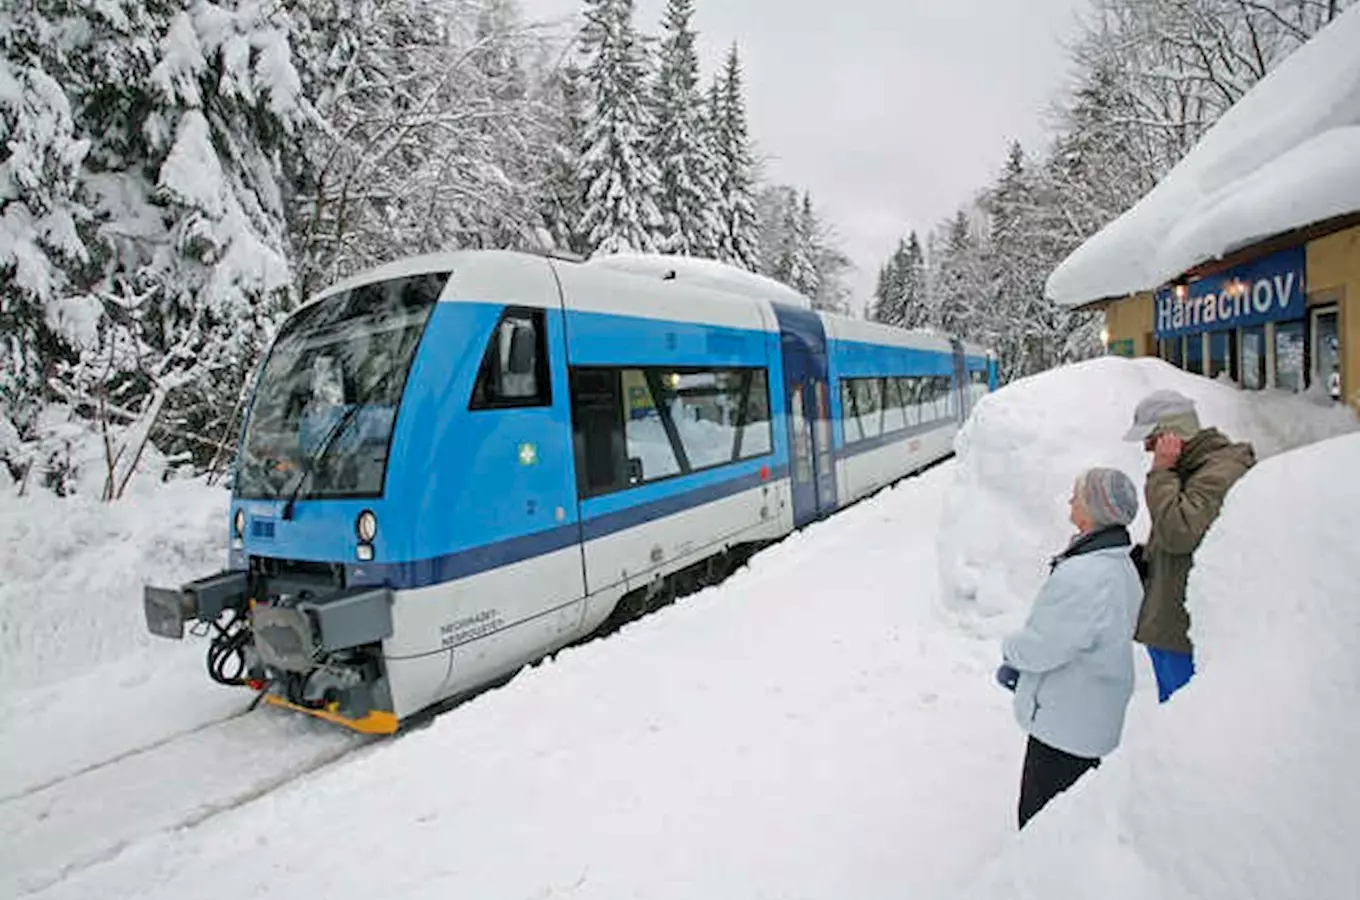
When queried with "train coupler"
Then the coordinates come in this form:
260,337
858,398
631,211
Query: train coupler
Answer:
168,609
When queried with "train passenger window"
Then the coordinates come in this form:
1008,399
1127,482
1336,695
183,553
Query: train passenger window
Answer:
894,410
869,400
849,414
646,434
925,399
514,371
668,421
597,431
907,388
977,384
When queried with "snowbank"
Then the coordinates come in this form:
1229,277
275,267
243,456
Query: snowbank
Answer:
1285,155
70,598
1244,785
1023,446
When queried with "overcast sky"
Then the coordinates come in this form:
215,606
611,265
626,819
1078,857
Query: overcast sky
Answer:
891,112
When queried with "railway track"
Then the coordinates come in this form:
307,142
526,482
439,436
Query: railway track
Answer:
51,831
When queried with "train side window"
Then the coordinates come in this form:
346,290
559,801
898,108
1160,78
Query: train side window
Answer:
598,432
907,386
925,398
514,371
634,426
648,435
869,399
944,396
894,410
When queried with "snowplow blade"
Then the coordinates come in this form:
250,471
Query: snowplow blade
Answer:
166,611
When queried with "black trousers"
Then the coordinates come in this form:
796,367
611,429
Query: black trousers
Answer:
1048,772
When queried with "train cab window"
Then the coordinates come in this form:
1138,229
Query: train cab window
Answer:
514,371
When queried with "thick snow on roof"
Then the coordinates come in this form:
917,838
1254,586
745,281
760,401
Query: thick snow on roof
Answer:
704,273
1284,156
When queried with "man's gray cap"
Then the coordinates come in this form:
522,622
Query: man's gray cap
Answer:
1163,409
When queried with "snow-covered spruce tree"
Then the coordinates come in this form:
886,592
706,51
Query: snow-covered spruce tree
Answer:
437,129
798,248
689,217
191,112
739,230
793,260
960,282
830,265
899,298
42,247
561,192
1003,317
617,171
772,205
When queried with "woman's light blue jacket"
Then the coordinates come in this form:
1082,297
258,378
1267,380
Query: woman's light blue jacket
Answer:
1075,652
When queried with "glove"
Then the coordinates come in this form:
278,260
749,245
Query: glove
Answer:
1139,561
1007,676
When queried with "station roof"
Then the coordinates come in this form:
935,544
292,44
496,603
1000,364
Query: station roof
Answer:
1284,157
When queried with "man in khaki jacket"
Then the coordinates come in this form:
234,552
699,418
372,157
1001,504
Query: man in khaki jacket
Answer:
1193,469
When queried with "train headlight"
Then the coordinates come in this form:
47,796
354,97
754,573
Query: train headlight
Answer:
238,523
366,526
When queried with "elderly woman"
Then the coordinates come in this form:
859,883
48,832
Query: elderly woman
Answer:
1071,666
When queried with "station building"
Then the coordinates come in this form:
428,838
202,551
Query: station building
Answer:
1245,259
1283,314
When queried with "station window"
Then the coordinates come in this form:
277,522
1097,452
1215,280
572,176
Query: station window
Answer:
1289,356
1194,354
514,371
1254,357
1222,354
633,426
1172,350
1325,351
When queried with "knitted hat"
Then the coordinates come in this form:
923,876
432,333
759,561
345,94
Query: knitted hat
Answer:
1108,495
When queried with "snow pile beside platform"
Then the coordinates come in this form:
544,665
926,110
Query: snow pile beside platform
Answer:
1023,446
71,594
1244,785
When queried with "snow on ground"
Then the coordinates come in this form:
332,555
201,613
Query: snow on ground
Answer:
1243,786
808,729
74,568
818,726
1285,155
77,664
1024,446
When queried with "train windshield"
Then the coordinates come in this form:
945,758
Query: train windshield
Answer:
321,422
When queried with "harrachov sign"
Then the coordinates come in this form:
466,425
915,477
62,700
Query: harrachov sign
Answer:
1269,289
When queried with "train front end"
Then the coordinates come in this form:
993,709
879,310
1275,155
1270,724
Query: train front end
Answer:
298,614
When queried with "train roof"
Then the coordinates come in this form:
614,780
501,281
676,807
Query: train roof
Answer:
707,273
709,278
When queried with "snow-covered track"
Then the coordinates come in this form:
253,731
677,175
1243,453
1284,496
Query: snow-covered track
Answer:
49,832
148,747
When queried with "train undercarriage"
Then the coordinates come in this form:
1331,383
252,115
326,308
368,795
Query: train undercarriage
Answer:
303,640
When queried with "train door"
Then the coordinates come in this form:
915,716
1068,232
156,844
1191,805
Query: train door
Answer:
961,384
807,395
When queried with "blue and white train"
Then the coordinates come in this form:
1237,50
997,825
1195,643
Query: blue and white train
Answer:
455,464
